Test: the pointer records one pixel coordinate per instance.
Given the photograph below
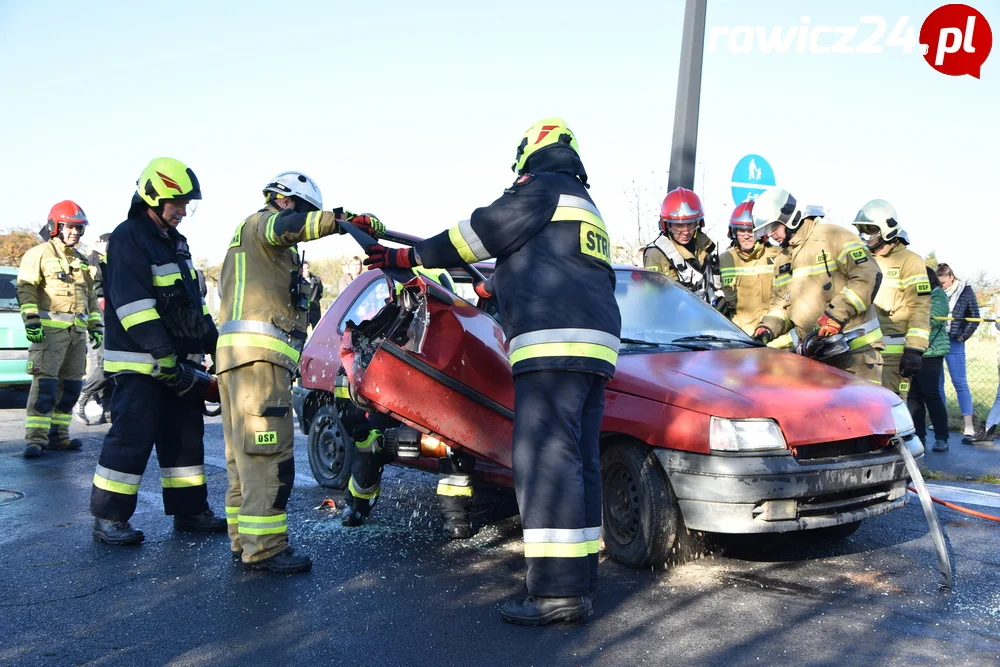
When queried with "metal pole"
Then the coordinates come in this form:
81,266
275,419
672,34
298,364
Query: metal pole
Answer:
684,146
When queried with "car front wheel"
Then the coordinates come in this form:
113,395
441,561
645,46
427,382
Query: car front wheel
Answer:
641,518
331,451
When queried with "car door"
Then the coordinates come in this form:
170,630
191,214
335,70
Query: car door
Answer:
436,361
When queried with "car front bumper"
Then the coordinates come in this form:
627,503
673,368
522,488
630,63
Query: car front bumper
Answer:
775,494
14,368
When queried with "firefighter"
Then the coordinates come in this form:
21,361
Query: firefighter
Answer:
265,303
59,309
455,490
555,288
682,251
824,284
158,331
903,301
94,385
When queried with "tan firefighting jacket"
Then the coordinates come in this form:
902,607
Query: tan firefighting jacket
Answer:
258,319
54,283
825,268
903,301
746,282
674,261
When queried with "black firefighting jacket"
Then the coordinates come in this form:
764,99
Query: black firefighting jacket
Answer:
553,279
154,306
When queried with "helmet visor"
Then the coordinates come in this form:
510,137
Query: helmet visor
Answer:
763,231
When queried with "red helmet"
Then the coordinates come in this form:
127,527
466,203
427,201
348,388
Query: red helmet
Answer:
742,218
65,213
681,205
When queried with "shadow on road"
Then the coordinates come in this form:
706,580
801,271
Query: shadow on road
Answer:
16,399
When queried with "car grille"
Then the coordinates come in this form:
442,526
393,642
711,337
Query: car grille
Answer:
833,503
850,447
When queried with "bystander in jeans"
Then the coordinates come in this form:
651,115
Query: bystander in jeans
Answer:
925,393
962,305
984,433
315,295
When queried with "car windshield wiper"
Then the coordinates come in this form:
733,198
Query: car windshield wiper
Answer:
716,339
636,341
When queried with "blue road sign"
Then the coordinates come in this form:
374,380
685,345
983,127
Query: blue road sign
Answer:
751,176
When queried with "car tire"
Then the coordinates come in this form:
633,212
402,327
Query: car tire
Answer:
832,533
641,517
331,451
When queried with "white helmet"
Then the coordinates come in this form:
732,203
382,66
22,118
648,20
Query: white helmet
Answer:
878,222
296,184
775,207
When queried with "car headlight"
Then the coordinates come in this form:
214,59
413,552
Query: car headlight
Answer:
901,417
745,435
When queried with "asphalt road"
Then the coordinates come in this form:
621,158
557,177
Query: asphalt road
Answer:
397,592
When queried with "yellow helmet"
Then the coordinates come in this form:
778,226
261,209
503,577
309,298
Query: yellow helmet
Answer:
543,134
166,178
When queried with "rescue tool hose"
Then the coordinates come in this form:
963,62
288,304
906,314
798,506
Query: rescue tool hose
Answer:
944,563
959,508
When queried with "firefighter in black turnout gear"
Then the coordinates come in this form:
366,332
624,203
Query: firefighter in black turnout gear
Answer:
556,292
158,330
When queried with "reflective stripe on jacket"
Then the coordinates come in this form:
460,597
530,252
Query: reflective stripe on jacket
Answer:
258,321
55,284
903,301
146,273
746,283
824,268
553,278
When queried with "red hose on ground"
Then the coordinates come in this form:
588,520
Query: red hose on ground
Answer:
959,508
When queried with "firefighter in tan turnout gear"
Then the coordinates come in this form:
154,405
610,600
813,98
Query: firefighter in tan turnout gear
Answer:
265,303
682,251
59,309
747,269
903,301
824,283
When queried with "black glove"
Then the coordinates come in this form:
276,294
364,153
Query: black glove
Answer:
910,362
763,334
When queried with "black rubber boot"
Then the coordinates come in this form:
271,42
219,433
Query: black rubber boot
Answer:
116,533
33,451
64,446
356,512
206,522
284,562
542,611
457,528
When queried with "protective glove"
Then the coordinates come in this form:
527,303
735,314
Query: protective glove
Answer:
720,304
34,332
910,362
367,222
380,257
96,338
165,368
481,291
763,334
828,326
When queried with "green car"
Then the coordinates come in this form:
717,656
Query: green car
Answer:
13,344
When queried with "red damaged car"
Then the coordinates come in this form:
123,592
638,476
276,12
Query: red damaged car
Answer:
703,428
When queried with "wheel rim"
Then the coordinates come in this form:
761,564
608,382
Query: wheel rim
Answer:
622,504
332,446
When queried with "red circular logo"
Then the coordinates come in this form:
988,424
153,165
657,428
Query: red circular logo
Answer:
957,40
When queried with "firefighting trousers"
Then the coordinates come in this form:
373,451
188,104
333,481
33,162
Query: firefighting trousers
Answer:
57,365
865,363
891,379
557,478
257,425
367,430
145,414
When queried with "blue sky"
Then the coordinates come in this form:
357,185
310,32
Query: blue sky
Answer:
413,111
